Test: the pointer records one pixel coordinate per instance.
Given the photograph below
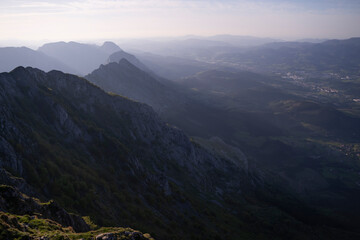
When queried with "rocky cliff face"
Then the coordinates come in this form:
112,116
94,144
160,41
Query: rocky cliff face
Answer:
63,134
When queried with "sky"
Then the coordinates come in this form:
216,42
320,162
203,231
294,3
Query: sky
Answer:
45,20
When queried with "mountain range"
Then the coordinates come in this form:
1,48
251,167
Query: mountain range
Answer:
115,160
216,153
12,57
332,55
83,57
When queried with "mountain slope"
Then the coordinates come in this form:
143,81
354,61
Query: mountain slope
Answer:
125,79
175,105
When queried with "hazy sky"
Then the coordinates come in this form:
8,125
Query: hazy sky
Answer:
45,20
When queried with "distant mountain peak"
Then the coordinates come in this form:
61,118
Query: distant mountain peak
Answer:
120,64
120,55
110,47
124,78
83,57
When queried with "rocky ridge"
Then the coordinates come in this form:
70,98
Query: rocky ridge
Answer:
51,118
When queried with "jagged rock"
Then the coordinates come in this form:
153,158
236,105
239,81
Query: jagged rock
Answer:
106,236
10,157
124,235
12,201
